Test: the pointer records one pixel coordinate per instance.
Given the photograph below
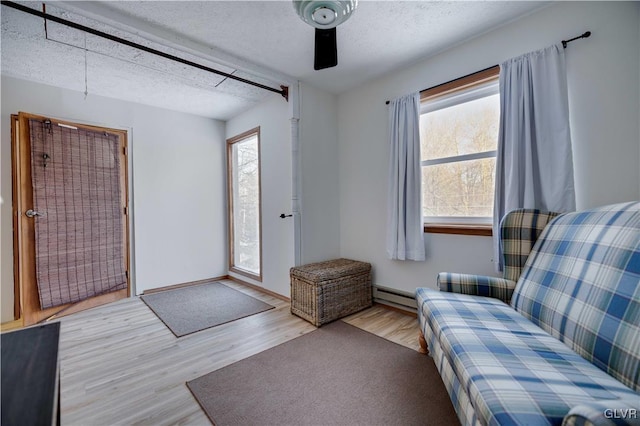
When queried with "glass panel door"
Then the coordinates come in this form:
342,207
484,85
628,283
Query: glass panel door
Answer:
245,251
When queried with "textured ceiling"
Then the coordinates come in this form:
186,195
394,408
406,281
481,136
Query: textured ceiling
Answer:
261,40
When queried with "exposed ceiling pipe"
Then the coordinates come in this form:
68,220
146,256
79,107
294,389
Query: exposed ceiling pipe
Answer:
283,91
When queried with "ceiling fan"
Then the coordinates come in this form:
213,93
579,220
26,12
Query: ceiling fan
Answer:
325,16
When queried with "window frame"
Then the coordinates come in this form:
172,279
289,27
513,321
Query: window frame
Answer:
470,87
230,181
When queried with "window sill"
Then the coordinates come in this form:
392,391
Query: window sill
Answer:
459,229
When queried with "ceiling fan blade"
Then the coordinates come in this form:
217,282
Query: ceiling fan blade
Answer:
326,51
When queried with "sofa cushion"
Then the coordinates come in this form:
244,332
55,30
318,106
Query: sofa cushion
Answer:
581,284
513,372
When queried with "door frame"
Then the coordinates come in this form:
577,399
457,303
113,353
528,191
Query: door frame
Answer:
230,202
26,299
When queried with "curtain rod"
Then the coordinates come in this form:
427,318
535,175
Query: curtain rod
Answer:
564,45
283,91
583,35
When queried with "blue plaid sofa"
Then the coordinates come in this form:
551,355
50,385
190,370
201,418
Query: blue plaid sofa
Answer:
557,339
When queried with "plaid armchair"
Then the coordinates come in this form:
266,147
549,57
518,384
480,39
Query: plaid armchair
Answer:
519,231
566,349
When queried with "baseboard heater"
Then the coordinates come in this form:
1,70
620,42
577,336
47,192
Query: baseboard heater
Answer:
395,298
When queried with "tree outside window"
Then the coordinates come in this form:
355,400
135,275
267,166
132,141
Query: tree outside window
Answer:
458,135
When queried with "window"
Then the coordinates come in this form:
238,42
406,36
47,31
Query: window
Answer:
245,235
458,135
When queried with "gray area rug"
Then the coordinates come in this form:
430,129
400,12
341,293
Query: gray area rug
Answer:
190,309
336,375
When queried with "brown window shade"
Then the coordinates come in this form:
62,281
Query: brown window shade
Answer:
79,230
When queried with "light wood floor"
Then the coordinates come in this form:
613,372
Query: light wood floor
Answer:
120,365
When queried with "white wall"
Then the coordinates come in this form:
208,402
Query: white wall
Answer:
273,118
320,175
177,179
318,156
603,74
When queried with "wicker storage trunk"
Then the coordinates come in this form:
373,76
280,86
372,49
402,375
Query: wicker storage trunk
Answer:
325,291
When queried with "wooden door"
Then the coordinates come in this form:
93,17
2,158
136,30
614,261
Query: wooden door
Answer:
30,270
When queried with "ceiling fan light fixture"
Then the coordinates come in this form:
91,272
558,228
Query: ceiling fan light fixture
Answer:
324,14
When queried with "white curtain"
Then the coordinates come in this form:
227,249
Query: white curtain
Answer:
534,166
405,230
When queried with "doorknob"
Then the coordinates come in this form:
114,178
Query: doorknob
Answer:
282,216
32,213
